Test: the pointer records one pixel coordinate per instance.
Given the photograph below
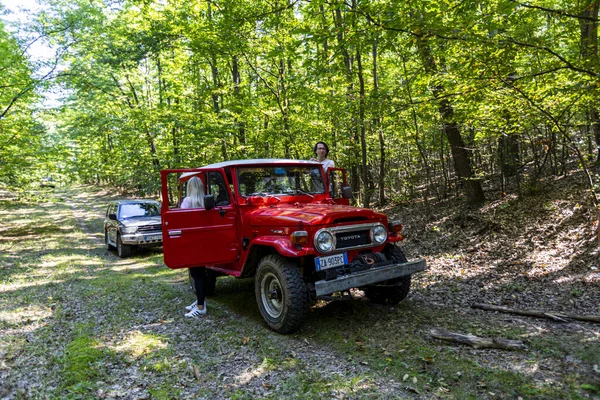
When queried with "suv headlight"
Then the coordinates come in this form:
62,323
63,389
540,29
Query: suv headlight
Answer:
379,234
129,229
324,242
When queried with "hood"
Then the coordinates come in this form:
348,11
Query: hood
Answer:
288,214
141,221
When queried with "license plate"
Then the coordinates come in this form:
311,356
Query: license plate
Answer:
153,237
331,261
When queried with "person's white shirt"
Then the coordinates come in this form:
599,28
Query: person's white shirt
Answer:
186,203
327,163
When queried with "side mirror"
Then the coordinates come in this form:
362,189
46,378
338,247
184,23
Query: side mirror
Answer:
112,216
209,202
347,192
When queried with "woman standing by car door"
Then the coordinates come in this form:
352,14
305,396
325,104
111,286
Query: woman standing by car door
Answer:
195,199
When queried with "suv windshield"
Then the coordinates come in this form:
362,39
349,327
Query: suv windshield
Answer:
260,181
138,210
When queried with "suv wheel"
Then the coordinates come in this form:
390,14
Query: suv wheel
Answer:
281,294
123,250
108,245
395,290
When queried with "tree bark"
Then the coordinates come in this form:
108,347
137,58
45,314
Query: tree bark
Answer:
589,52
377,123
557,316
353,127
477,342
235,75
363,130
460,156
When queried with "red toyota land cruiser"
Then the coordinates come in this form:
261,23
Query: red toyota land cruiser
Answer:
288,224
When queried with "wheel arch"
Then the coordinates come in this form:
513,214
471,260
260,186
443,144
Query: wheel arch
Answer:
256,253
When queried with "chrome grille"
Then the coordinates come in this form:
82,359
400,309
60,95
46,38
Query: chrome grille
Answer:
349,237
345,240
149,228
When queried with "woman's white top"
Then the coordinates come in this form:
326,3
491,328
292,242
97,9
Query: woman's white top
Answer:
327,163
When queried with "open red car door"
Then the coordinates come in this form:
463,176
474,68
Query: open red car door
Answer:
195,237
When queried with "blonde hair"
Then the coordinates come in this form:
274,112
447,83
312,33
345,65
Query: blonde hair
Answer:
195,192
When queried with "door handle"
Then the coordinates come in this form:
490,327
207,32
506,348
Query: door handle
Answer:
175,233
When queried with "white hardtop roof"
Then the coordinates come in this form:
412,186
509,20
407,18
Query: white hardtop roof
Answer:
259,161
249,163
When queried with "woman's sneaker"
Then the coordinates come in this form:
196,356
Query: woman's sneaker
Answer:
194,304
191,305
195,312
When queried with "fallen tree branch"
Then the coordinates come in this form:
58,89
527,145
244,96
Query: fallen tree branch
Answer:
557,316
478,342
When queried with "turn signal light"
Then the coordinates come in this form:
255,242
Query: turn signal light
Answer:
299,237
395,227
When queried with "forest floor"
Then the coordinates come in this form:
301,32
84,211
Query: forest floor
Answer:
78,322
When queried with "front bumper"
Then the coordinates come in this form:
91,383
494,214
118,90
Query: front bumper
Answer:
143,239
369,276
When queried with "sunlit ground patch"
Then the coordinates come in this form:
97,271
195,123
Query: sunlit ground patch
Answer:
24,315
138,344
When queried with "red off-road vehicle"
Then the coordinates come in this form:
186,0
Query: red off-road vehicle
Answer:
289,225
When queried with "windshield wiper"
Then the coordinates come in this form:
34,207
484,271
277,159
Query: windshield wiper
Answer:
300,191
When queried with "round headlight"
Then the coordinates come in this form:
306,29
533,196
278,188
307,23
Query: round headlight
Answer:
324,242
379,234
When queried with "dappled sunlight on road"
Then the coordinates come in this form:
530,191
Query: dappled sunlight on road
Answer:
31,314
138,344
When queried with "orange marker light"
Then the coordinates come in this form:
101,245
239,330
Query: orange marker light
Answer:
299,237
395,227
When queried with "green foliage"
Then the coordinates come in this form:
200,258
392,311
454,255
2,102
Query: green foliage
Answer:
156,85
19,133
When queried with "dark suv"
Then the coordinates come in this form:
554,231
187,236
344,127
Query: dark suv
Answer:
132,223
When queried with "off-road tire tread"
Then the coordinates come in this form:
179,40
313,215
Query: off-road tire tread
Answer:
298,299
391,295
125,248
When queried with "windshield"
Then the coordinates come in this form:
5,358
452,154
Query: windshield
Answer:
138,210
261,181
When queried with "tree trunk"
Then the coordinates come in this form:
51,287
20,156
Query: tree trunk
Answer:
352,126
589,52
235,72
377,125
363,131
462,162
508,147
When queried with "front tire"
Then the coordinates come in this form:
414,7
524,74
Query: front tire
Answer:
106,243
123,250
282,296
393,291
